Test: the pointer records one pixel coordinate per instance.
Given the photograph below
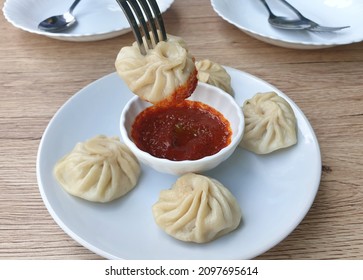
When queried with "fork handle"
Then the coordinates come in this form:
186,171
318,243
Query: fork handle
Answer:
292,8
267,7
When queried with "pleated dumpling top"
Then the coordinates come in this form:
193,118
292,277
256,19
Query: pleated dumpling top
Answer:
197,209
270,123
100,169
166,74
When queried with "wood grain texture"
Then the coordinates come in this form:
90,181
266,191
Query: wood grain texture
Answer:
39,74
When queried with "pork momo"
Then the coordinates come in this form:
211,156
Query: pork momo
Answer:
214,74
100,169
166,74
270,124
197,209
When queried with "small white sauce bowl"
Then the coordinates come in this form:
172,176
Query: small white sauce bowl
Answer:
210,95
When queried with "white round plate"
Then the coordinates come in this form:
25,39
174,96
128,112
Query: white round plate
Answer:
250,16
274,191
96,20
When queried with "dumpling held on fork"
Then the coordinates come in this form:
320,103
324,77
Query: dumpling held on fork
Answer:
166,74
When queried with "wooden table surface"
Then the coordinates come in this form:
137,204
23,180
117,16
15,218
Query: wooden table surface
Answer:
39,74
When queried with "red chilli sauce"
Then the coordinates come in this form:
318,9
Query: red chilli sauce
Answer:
188,130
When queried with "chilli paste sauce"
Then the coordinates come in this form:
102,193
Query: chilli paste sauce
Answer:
188,130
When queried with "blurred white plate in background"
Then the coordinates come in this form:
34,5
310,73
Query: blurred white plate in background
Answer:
250,16
96,20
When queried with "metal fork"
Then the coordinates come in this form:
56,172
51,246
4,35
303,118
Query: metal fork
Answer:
141,27
313,25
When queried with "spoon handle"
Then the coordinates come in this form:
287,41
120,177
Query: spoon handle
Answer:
71,8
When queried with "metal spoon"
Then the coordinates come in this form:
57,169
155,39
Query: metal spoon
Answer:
284,22
59,22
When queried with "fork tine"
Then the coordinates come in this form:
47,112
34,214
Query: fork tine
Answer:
158,18
320,28
140,16
133,23
149,15
139,26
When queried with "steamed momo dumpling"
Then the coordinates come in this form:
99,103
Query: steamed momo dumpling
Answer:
100,169
197,209
166,73
214,74
270,123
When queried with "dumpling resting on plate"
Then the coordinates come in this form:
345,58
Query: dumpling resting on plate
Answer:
100,169
214,74
197,209
166,74
270,123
